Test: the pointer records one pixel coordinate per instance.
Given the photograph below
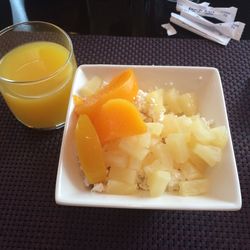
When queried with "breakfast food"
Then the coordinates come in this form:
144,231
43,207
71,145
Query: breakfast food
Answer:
154,141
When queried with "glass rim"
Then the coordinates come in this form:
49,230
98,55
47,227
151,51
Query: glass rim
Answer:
11,27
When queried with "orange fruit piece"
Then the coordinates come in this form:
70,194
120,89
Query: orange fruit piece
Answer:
89,150
122,86
118,118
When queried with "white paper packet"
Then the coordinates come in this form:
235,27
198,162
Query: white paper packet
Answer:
169,28
199,29
231,29
222,14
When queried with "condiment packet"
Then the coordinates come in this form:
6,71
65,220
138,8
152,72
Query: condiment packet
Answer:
198,29
169,28
231,29
222,14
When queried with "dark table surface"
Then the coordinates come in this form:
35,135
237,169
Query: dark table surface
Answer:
29,217
114,17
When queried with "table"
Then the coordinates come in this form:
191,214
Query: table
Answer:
29,217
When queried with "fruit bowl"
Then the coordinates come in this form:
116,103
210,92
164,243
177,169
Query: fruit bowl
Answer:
224,192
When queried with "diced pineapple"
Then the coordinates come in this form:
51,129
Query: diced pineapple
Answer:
176,177
190,172
91,86
155,106
171,100
177,146
160,151
111,145
171,125
220,136
187,103
155,128
157,182
184,126
210,154
148,159
121,188
116,158
131,146
195,160
144,140
201,131
134,163
133,150
193,187
123,174
184,123
155,165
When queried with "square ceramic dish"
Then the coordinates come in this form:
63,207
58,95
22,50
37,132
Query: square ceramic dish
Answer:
224,193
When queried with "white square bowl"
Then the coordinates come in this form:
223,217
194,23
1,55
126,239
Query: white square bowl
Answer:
224,193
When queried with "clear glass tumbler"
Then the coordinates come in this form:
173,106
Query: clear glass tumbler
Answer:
37,66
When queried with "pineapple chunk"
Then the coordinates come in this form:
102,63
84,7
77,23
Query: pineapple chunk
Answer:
160,151
193,187
176,177
220,136
187,103
155,128
201,131
185,125
155,165
148,159
171,125
155,106
91,86
210,154
158,182
121,188
190,172
123,174
198,163
144,140
116,158
177,146
171,100
133,148
134,163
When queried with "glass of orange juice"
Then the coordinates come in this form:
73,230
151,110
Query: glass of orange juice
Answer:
37,66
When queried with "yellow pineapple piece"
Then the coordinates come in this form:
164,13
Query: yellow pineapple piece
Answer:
133,148
155,165
134,163
188,104
155,128
120,188
91,86
125,175
190,172
185,125
148,159
171,125
155,106
201,131
178,148
160,151
195,160
220,136
171,101
158,182
116,158
210,154
193,187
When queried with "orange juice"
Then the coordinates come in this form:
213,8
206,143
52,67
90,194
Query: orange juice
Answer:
39,77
